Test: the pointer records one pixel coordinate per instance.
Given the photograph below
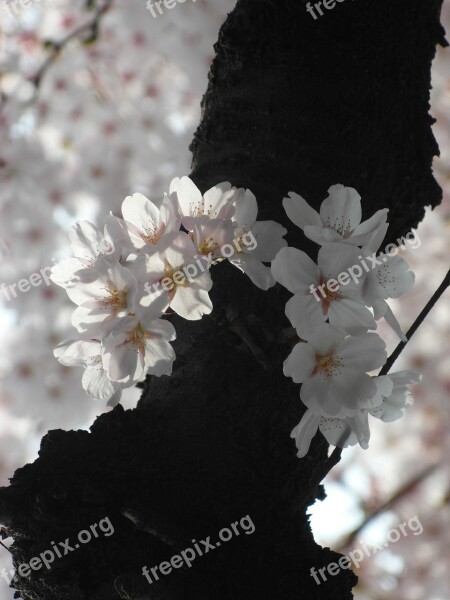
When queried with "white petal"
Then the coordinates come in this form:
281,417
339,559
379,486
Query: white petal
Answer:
246,208
180,250
97,385
337,258
191,304
300,363
316,395
384,386
64,272
351,316
300,212
325,338
140,211
365,352
169,214
403,378
218,201
393,323
352,389
159,328
304,432
85,238
360,425
320,236
304,312
341,210
269,239
376,222
295,271
159,357
74,353
259,274
124,363
337,432
188,195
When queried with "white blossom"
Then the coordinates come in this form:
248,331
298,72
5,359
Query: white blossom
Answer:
342,432
333,369
339,219
313,301
145,223
109,291
138,345
88,353
175,277
197,208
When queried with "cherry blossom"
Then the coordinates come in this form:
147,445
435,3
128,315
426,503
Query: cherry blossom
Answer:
145,223
175,277
339,219
105,293
88,353
138,345
398,397
333,367
338,432
196,208
343,432
313,301
210,237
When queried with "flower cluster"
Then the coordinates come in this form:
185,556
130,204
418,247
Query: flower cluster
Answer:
155,260
337,351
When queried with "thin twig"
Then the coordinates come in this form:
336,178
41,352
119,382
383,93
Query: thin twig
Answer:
417,323
56,47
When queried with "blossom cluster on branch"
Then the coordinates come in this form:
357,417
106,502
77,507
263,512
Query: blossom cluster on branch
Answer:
155,260
337,351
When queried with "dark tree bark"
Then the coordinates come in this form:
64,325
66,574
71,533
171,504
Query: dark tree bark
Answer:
297,104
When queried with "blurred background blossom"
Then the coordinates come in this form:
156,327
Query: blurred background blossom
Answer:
114,116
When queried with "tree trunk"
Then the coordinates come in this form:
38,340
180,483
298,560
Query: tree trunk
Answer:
296,104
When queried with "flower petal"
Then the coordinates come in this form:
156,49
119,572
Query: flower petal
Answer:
258,273
295,271
269,239
304,312
300,363
300,212
304,432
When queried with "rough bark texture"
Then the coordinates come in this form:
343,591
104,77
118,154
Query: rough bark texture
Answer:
292,104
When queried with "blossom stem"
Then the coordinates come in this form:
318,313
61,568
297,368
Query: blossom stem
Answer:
417,323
